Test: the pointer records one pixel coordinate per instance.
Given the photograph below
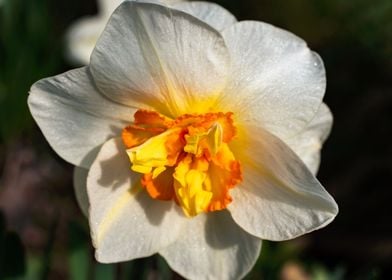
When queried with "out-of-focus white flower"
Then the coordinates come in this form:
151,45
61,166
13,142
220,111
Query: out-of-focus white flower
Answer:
223,146
84,33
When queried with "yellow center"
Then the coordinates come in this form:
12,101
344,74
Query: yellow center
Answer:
187,159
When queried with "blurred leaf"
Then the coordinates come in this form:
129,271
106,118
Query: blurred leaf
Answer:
79,257
29,50
138,268
163,268
273,256
104,271
34,267
320,272
48,250
127,269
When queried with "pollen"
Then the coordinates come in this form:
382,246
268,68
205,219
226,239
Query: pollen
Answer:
186,159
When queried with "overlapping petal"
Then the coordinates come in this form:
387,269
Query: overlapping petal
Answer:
125,222
279,198
74,117
307,144
213,247
211,13
163,59
80,187
276,82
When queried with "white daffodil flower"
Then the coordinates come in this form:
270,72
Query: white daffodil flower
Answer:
84,33
196,136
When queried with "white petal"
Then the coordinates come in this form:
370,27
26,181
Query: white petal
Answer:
307,144
125,222
213,247
74,117
151,55
161,2
106,7
279,197
82,37
80,186
211,13
276,81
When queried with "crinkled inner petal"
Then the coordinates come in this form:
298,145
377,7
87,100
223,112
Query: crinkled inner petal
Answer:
279,198
276,81
74,117
125,222
152,56
213,247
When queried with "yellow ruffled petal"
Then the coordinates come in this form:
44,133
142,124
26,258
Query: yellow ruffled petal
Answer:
210,140
186,159
152,153
188,184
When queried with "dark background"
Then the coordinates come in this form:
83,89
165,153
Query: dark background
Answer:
43,234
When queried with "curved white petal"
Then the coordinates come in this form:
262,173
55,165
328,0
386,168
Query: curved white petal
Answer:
279,197
125,222
307,144
212,246
80,186
211,13
276,81
153,56
82,37
74,117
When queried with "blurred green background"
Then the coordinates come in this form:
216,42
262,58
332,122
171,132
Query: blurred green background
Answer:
43,234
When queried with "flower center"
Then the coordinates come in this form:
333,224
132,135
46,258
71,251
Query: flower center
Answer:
187,159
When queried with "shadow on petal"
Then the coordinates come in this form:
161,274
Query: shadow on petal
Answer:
112,169
91,156
219,229
154,209
117,194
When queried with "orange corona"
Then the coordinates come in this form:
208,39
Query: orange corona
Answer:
187,159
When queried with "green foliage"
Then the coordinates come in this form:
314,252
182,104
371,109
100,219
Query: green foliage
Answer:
104,271
320,272
28,51
273,257
79,255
